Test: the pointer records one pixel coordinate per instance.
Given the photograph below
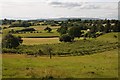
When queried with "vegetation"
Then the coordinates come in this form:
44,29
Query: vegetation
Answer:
65,38
10,41
38,41
62,30
79,47
75,32
48,29
65,42
101,65
20,24
23,30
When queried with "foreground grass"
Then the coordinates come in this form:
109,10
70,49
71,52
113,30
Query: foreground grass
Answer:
102,65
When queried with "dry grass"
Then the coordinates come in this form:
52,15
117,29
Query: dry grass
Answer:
37,41
41,28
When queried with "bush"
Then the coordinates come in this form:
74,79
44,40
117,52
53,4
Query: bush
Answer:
65,38
6,50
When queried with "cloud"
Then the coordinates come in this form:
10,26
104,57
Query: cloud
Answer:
85,5
65,4
57,8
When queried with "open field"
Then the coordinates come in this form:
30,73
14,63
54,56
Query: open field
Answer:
100,58
100,65
37,41
79,47
33,41
40,29
38,35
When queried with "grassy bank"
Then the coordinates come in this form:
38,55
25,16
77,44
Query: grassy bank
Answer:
79,47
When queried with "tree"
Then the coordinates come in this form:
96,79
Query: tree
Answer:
116,27
107,26
10,41
93,29
48,50
65,38
62,30
48,29
20,24
75,32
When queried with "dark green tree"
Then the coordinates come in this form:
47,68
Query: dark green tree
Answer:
48,29
62,30
116,27
108,26
65,38
10,41
75,32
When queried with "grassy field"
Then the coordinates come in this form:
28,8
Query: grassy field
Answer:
106,38
79,47
109,37
67,61
101,65
40,29
38,35
37,41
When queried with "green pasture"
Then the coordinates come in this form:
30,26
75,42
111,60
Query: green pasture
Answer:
110,37
39,29
38,35
78,47
106,38
100,65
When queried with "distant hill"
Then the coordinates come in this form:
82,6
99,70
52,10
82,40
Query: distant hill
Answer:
64,19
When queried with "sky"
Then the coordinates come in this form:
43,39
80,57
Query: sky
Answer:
36,9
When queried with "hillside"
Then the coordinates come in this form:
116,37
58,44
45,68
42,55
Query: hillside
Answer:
103,65
110,37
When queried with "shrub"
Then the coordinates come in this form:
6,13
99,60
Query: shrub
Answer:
6,50
65,38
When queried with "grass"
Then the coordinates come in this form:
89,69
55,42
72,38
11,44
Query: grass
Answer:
0,65
38,35
40,29
37,41
79,47
109,37
102,65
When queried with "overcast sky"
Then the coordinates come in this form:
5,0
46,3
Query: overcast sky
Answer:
34,9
